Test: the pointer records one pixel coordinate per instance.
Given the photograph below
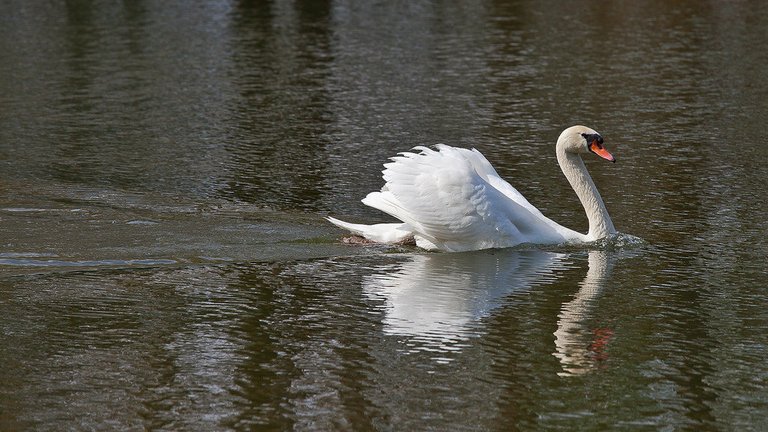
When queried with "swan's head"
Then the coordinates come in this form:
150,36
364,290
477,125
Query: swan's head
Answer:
581,140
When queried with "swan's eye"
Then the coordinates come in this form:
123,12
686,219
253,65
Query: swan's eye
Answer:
592,138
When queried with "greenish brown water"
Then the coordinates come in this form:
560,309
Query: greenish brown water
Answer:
165,171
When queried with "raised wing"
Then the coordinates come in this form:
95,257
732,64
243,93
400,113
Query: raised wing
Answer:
448,198
486,171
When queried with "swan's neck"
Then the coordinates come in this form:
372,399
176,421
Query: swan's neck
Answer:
600,224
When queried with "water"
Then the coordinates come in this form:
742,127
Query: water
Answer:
165,170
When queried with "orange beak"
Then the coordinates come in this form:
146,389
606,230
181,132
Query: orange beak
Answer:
598,149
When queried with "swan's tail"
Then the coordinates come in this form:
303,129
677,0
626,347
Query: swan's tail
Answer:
380,233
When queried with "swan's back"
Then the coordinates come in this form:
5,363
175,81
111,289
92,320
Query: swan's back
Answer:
452,199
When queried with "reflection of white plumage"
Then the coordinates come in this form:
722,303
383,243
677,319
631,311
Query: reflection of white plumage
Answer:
452,199
436,298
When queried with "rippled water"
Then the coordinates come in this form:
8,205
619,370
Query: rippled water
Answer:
165,170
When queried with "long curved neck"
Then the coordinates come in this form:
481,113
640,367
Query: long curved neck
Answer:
600,224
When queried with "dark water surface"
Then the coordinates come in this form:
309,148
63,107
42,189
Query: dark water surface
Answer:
165,168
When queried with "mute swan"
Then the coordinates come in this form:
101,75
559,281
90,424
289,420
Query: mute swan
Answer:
452,199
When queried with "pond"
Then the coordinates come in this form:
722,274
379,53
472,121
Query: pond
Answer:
165,172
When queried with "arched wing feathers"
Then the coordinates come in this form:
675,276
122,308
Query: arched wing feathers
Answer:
454,199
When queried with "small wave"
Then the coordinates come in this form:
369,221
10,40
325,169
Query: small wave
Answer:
141,222
26,262
26,255
619,241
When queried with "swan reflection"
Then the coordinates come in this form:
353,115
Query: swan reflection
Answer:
579,348
437,299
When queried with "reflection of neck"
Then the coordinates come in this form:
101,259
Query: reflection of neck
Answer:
600,224
571,337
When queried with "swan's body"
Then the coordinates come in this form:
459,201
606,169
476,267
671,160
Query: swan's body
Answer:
452,199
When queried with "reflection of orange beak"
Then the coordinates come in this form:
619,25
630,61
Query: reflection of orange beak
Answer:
597,148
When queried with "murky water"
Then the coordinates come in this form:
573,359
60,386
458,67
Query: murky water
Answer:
165,170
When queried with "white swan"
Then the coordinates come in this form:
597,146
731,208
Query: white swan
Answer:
452,199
